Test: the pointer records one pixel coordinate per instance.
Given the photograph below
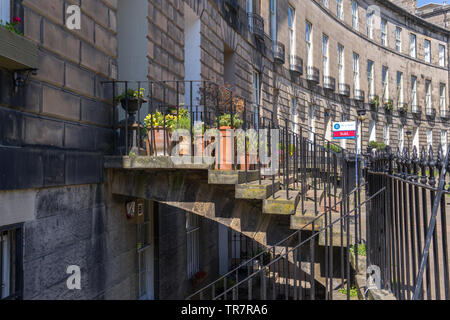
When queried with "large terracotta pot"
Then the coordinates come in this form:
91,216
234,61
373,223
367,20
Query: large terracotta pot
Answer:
242,162
185,145
225,149
159,138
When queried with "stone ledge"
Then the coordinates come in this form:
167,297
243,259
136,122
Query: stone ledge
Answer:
144,162
231,177
279,204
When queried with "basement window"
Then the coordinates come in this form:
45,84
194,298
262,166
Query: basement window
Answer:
10,264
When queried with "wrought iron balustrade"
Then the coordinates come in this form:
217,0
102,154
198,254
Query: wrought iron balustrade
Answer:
344,89
279,53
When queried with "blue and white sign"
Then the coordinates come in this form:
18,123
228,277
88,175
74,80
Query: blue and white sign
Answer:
344,130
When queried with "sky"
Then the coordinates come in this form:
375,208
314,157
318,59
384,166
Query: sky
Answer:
424,2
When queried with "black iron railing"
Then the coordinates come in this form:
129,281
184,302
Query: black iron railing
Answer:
407,232
344,89
279,53
256,25
358,95
313,74
296,65
287,269
329,83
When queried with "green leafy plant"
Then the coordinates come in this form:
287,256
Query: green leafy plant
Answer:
377,145
131,94
171,121
12,26
362,249
334,148
225,121
353,291
388,105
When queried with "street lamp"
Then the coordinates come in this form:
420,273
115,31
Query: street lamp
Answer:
361,118
408,135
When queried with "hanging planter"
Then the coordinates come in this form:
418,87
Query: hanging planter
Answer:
132,100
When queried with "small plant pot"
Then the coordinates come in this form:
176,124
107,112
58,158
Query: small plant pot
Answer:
133,105
225,150
159,139
242,162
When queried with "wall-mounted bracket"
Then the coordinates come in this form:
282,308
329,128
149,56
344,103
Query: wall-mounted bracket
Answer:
21,78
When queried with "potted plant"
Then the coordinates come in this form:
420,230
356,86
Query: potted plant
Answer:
131,100
375,102
225,122
388,105
403,108
158,134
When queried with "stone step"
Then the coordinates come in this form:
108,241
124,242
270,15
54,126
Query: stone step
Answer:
231,177
305,220
255,191
280,204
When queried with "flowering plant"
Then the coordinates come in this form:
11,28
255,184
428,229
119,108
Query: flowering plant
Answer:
132,94
170,121
11,26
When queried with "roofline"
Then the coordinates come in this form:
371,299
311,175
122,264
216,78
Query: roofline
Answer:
416,19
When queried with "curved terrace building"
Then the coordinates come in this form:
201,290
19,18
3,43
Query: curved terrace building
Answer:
316,62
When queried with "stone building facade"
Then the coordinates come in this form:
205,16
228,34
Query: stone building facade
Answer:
56,206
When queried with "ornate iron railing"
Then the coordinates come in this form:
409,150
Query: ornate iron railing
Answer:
407,233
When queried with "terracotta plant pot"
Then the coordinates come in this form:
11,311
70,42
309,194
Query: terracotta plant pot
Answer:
225,150
242,162
159,140
185,145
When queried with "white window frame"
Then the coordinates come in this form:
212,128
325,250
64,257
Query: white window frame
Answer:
291,25
428,101
441,55
294,114
340,9
429,139
356,71
325,48
373,131
311,122
5,11
413,93
444,142
401,97
386,133
385,82
442,99
341,64
427,48
412,45
398,39
370,77
416,139
192,244
249,4
256,95
369,28
309,43
355,15
384,32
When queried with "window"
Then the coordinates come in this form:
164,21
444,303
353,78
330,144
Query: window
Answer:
308,38
442,102
192,244
429,138
441,55
386,132
413,93
291,25
311,123
401,141
10,263
385,83
355,15
249,4
416,139
400,87
341,72
369,16
5,10
325,54
370,79
412,45
355,71
144,247
294,114
273,21
340,9
373,131
256,95
444,142
398,39
428,97
427,51
383,32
